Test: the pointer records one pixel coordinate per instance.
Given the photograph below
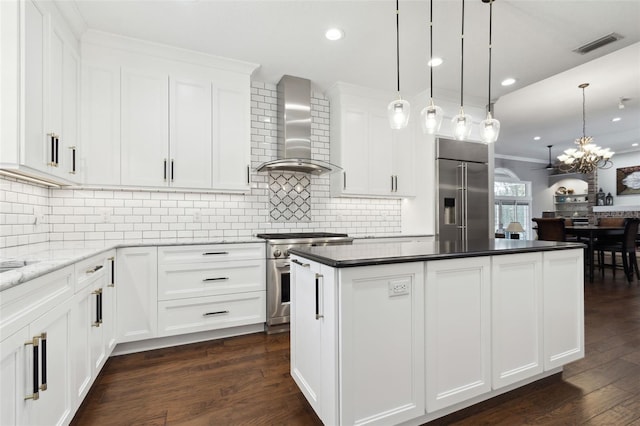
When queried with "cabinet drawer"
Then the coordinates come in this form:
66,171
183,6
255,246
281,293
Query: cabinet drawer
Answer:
90,270
210,313
210,253
180,281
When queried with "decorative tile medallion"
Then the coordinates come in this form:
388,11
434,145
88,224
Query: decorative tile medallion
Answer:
290,197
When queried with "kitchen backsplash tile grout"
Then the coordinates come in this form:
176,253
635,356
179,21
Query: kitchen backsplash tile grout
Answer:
95,214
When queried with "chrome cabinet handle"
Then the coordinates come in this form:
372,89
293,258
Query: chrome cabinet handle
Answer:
57,151
319,306
113,272
73,160
98,320
215,279
208,314
297,262
344,180
172,170
214,252
248,176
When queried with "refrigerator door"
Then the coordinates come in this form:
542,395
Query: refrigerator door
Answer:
450,218
477,201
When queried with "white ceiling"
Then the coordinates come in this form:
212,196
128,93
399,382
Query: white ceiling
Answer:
532,41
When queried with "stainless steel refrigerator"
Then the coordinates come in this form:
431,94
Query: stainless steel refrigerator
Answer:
462,190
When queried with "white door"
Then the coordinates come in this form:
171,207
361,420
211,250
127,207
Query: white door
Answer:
137,296
382,343
144,117
516,322
37,150
231,137
380,154
306,334
190,139
69,149
458,340
54,407
13,371
563,307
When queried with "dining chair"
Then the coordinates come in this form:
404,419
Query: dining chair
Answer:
624,244
550,228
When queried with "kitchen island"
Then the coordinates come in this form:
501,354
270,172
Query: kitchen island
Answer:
404,333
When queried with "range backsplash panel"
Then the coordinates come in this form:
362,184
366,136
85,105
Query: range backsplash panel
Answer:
290,197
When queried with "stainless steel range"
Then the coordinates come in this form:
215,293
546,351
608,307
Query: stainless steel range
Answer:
278,284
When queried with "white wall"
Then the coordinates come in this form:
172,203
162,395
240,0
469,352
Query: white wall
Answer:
607,179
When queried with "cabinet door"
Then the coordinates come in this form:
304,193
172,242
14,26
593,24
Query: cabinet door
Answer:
563,307
37,153
109,312
231,137
13,370
190,141
458,340
516,322
404,162
137,296
100,124
382,343
306,334
380,155
81,329
54,405
69,164
144,118
355,151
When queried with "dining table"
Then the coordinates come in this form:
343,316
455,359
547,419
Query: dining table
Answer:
589,234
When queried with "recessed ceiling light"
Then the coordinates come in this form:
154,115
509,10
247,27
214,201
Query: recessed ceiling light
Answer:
508,81
536,138
334,34
614,119
634,144
435,62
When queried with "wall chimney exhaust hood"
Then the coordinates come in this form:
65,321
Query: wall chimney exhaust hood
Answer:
294,131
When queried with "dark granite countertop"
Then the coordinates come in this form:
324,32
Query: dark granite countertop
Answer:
343,256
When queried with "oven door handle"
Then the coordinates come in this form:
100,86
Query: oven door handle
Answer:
297,262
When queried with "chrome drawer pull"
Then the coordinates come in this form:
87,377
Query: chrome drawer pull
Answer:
97,268
216,279
208,314
297,262
215,252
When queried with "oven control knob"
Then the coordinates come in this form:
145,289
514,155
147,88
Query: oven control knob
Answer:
286,253
277,253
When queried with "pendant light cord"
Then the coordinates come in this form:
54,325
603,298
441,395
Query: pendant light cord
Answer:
584,114
490,46
462,58
398,44
431,49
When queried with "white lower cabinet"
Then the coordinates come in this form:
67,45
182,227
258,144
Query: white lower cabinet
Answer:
208,287
137,296
458,315
563,307
516,317
374,319
35,360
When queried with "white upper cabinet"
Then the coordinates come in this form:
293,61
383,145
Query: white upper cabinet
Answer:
145,128
376,160
177,119
39,91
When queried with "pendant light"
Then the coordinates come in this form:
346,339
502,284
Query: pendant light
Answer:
398,110
461,122
431,115
489,127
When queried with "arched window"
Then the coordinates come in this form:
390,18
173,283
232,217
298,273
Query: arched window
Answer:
512,201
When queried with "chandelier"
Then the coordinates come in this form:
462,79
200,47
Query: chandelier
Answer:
588,156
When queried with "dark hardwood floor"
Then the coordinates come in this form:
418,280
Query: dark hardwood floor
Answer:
245,380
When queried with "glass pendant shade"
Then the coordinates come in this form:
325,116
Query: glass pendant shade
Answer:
461,125
490,129
431,119
398,112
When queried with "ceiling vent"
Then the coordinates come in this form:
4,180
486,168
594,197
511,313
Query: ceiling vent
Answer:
596,44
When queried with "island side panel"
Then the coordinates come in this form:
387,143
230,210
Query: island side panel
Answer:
382,343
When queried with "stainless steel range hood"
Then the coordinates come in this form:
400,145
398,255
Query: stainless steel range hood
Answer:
294,130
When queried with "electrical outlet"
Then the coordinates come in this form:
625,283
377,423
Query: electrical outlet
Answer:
399,287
